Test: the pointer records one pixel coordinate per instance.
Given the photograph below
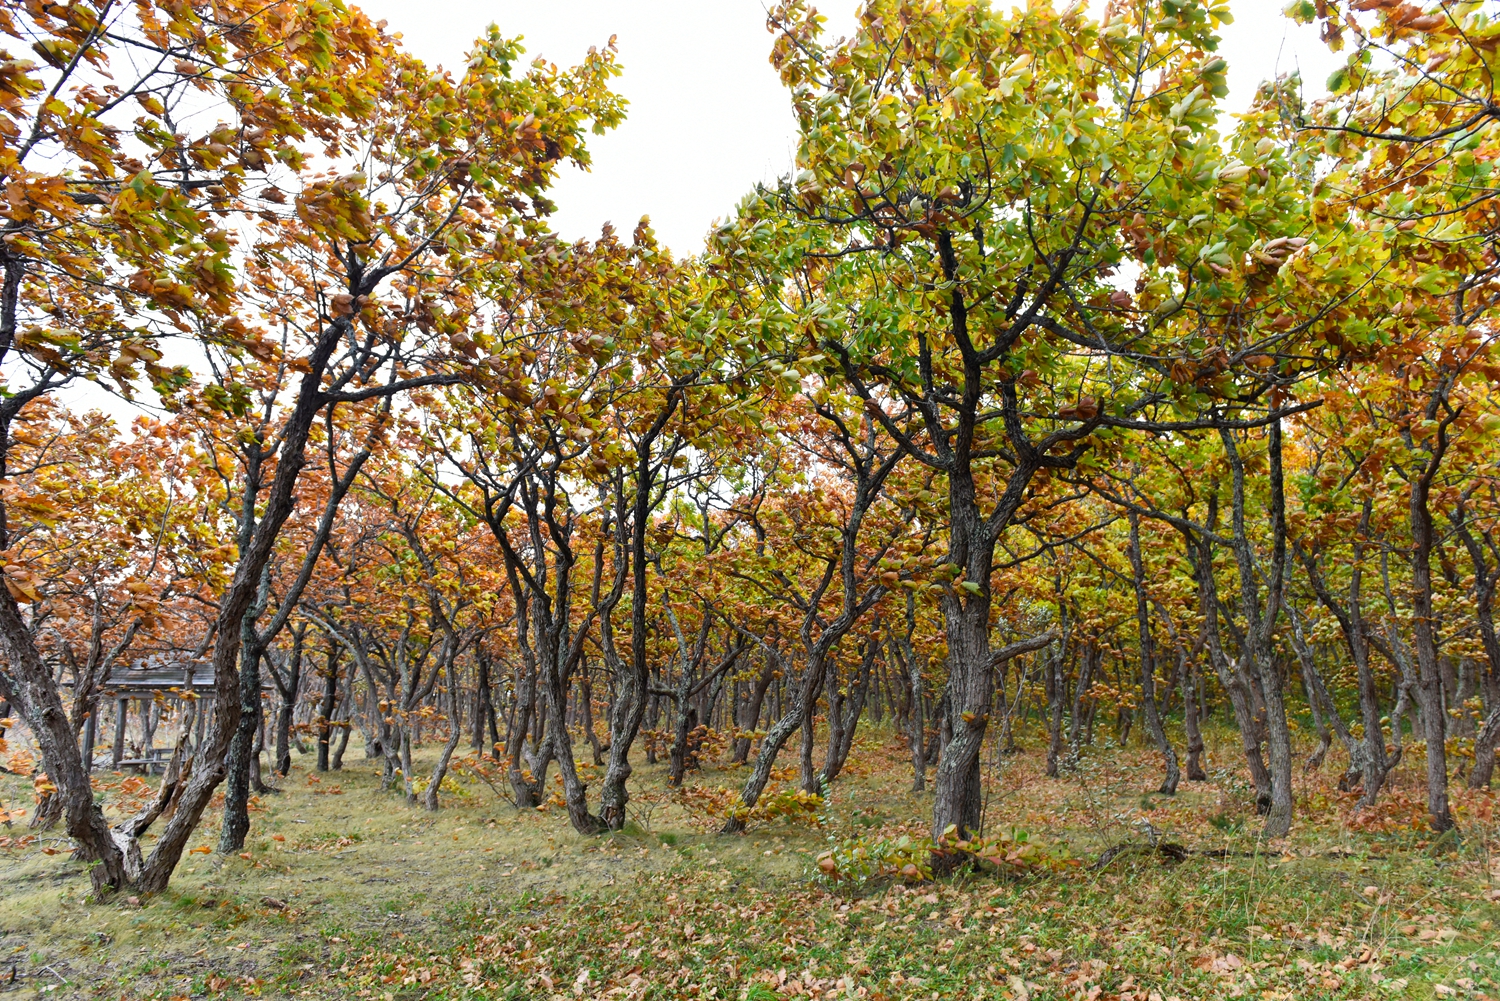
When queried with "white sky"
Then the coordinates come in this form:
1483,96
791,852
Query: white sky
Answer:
708,117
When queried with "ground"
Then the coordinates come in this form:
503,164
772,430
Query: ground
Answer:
346,892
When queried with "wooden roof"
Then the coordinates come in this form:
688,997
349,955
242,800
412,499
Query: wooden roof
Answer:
156,675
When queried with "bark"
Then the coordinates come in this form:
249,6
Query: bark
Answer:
1190,702
751,720
1429,684
1486,577
916,722
127,834
241,748
440,770
1326,716
1148,665
808,688
957,800
1260,622
1231,678
239,641
1089,657
1484,752
117,752
1187,681
527,759
327,707
960,807
1368,764
575,793
337,764
288,688
1057,693
844,709
1406,682
688,719
632,684
868,469
484,706
809,775
586,705
25,681
408,787
685,712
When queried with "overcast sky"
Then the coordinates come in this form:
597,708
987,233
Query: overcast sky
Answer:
708,118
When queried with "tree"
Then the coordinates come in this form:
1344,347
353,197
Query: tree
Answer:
101,256
445,167
827,553
1414,139
954,246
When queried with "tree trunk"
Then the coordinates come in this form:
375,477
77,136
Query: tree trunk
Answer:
440,770
326,708
484,717
1148,665
917,723
1195,772
1089,656
809,777
957,799
1429,683
25,681
586,705
629,708
289,691
527,790
408,787
1231,678
575,793
347,712
844,710
1485,581
1484,752
1258,648
752,715
242,746
122,716
1056,695
1368,764
802,700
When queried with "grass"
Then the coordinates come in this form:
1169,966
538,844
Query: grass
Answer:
347,893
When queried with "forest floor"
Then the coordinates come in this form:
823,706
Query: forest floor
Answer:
345,892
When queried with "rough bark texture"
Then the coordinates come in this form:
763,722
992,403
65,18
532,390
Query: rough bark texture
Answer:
241,747
750,719
1429,690
807,691
1148,665
25,681
1260,616
326,708
844,709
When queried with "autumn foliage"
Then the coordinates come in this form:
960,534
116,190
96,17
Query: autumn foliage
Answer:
1046,384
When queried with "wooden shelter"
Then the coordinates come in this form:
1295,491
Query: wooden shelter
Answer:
188,682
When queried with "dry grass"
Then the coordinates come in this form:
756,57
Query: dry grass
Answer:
349,893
